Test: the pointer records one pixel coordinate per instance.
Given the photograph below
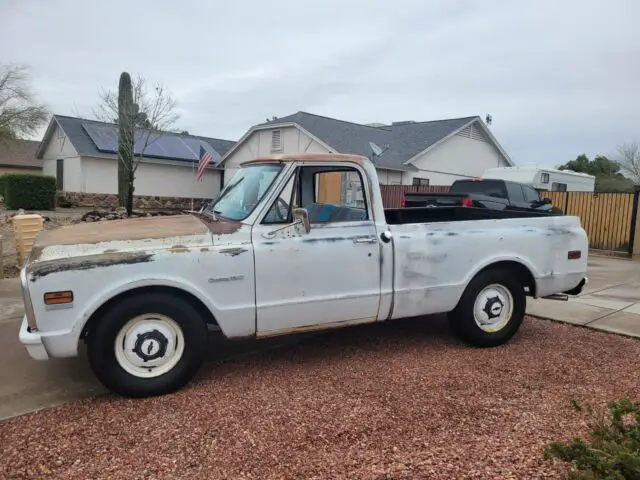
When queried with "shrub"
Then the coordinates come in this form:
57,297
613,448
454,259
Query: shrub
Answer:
613,452
28,191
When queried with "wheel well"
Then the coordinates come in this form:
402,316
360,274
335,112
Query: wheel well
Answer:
202,309
521,271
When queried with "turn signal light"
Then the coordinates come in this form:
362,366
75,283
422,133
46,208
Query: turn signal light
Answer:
57,298
574,255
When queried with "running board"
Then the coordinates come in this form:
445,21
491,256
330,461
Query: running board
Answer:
557,296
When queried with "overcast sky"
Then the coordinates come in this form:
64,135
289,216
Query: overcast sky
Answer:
559,77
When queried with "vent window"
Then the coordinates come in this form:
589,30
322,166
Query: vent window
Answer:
276,141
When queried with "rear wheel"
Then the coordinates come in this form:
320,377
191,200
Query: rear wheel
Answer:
491,308
147,344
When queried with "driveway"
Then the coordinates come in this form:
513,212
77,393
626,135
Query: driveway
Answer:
610,302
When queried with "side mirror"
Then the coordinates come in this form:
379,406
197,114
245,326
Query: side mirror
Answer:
301,217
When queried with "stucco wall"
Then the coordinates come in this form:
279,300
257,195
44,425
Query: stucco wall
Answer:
458,157
259,143
100,175
389,177
61,148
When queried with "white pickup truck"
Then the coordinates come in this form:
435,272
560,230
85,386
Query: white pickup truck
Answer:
293,243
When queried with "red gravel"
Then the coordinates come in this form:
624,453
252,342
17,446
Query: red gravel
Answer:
388,401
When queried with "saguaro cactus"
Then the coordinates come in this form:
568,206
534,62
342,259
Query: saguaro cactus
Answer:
126,126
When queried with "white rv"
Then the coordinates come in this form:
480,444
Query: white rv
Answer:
542,178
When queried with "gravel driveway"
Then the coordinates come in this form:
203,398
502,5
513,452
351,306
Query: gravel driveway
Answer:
403,400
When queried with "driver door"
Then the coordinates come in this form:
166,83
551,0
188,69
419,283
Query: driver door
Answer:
327,277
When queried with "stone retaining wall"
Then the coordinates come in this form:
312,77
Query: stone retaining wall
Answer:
109,201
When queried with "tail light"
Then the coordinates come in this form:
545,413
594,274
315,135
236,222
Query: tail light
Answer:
574,255
467,202
404,202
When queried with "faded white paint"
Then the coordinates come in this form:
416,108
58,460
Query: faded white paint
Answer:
457,157
264,280
161,178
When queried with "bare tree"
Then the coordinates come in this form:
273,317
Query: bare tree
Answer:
629,160
20,115
153,115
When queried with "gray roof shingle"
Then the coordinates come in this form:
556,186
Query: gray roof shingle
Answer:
19,154
83,144
404,139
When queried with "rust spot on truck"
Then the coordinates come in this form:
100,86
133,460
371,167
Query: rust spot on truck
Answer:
204,249
234,252
110,250
42,269
219,226
178,249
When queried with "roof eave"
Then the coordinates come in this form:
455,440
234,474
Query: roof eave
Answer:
47,137
257,128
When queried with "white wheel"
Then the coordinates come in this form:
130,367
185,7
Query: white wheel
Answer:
149,345
493,308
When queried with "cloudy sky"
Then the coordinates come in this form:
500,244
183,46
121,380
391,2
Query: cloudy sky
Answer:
559,77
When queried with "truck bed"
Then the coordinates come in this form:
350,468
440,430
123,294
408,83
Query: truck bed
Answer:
399,216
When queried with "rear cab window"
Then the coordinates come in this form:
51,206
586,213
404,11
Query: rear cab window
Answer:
492,188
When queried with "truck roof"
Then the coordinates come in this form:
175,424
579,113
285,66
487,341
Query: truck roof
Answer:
308,157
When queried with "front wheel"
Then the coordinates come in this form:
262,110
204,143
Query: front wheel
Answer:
147,344
491,309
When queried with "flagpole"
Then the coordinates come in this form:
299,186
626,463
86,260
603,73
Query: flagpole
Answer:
193,176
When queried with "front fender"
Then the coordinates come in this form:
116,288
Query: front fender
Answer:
106,295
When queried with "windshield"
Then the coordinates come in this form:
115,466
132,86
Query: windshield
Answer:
244,191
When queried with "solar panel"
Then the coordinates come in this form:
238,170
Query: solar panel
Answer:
103,136
173,147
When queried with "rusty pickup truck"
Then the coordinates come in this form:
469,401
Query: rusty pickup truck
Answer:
292,243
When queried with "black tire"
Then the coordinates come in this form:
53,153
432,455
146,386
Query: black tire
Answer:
102,337
462,319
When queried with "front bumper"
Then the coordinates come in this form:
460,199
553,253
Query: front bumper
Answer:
32,341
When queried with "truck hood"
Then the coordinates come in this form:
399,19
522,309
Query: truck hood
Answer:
130,235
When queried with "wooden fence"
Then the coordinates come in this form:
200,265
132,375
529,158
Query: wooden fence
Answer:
608,218
392,194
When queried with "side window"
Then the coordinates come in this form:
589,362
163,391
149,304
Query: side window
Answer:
514,191
558,187
280,211
530,194
420,182
333,195
544,178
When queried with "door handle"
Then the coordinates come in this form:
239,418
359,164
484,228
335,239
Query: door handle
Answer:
365,240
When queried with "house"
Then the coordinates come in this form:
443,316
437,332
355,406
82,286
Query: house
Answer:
19,156
82,155
406,153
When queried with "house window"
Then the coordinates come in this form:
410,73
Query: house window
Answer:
276,141
60,174
421,182
544,178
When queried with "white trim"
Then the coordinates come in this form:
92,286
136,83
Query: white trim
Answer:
455,132
274,126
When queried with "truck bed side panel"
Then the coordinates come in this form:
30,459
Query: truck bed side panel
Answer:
434,262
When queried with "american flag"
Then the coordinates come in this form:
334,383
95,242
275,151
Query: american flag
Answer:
205,159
